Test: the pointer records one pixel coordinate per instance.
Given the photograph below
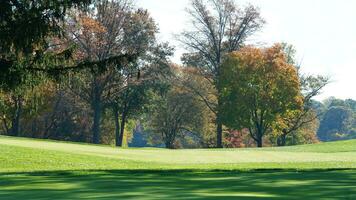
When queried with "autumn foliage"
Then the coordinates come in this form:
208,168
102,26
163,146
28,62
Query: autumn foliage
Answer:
258,85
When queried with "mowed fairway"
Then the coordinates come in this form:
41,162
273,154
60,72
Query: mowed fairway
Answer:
37,169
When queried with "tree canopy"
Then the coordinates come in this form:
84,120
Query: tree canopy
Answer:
97,71
218,27
258,85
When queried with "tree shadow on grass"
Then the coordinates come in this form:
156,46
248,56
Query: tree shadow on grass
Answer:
179,184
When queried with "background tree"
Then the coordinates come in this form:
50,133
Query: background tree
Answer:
338,120
192,81
258,85
16,100
110,29
153,64
25,27
218,27
294,120
12,105
176,114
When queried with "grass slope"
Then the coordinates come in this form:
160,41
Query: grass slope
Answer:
37,169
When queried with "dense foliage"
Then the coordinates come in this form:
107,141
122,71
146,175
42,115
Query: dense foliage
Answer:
25,27
219,27
95,71
337,119
258,86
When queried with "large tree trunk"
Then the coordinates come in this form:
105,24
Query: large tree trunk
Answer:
15,129
169,138
259,143
97,109
96,123
169,145
259,139
117,127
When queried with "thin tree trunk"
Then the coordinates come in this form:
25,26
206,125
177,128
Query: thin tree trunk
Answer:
219,132
34,127
15,130
52,117
219,125
122,128
117,126
6,127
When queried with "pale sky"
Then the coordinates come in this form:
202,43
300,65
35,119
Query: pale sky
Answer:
323,32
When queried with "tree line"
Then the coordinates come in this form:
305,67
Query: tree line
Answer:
337,119
94,71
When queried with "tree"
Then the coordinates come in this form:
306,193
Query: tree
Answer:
336,122
297,126
177,112
24,29
351,104
311,87
258,85
337,119
12,104
192,81
131,102
94,91
26,32
92,32
14,101
153,64
111,29
293,120
218,28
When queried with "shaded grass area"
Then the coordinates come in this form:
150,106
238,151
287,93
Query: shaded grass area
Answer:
182,184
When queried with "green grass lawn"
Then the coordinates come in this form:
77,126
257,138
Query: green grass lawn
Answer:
37,169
